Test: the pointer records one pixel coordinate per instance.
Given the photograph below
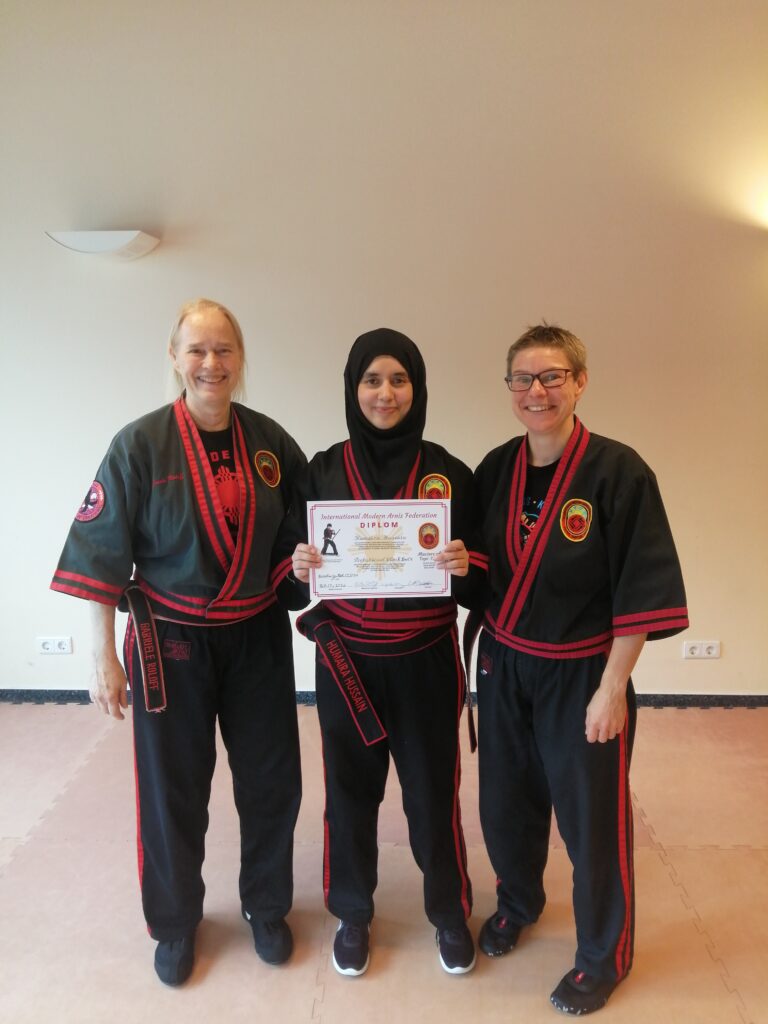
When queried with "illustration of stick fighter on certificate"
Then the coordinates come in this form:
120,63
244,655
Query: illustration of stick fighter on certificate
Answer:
379,548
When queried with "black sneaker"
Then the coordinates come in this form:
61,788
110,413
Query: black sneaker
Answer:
272,939
456,949
174,960
350,948
579,993
498,936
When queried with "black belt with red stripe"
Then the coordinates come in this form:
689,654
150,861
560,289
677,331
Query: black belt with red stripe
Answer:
149,649
337,642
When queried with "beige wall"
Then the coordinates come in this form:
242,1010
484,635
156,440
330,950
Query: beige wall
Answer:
456,170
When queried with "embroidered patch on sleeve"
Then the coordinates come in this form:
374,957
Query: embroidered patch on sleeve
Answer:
267,467
92,505
576,519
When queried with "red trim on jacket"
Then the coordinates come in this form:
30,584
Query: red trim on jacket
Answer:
513,543
387,621
97,584
621,620
202,478
525,569
358,486
88,595
200,608
479,560
232,556
280,571
650,622
91,589
354,477
242,550
656,627
599,644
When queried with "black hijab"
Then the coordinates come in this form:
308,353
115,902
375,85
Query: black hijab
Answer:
385,457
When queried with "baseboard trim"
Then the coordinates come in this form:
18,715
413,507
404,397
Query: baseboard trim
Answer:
307,699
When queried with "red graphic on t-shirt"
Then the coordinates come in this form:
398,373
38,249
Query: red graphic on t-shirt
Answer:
228,489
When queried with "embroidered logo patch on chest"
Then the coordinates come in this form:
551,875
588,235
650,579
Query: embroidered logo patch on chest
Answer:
576,519
267,467
92,504
435,486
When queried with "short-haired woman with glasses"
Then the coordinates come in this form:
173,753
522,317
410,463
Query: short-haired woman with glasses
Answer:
582,569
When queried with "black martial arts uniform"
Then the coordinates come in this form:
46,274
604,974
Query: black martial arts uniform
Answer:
599,563
328,542
206,639
389,677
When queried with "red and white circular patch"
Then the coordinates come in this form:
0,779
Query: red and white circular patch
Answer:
92,505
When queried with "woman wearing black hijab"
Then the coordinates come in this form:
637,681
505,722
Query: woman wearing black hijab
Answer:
408,665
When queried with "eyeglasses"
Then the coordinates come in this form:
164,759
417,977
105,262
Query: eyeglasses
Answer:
554,378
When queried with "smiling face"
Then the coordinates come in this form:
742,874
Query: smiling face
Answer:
385,392
208,358
547,412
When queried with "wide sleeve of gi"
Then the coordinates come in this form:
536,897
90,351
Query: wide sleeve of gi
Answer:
484,483
292,593
648,595
97,561
467,590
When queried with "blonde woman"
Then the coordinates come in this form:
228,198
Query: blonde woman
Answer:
177,528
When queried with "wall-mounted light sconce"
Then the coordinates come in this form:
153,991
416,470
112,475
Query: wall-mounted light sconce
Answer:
127,245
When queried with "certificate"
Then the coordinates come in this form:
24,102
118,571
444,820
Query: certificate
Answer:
379,548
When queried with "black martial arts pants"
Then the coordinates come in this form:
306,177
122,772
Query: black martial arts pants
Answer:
418,698
533,755
242,674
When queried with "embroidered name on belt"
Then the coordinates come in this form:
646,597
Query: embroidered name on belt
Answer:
345,676
435,486
267,467
576,519
149,650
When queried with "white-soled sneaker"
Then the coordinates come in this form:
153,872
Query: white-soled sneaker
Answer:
351,954
457,949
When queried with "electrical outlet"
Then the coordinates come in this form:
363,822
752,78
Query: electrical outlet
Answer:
701,649
54,644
